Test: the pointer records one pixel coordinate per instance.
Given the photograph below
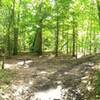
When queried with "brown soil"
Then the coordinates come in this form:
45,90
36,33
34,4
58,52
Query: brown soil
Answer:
47,71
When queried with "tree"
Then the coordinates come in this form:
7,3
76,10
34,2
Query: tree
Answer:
98,7
15,27
68,26
37,45
57,30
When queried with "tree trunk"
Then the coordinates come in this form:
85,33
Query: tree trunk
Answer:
16,28
98,7
15,49
67,44
57,33
74,41
8,41
37,45
57,39
3,61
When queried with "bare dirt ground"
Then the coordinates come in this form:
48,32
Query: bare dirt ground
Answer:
49,78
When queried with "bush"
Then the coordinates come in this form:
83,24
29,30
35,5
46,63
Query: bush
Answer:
6,76
98,84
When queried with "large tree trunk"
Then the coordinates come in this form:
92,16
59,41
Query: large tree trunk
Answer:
37,45
16,28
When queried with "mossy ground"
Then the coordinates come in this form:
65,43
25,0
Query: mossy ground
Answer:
6,76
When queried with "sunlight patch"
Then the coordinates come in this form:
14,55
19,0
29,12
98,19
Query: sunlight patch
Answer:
10,66
50,94
24,62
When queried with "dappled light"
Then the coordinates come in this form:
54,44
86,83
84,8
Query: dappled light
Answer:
48,78
51,94
49,49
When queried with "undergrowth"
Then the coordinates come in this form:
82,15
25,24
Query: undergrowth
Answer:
97,88
6,76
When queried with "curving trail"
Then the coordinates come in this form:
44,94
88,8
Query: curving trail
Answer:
38,78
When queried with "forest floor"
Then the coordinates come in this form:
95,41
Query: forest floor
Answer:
51,78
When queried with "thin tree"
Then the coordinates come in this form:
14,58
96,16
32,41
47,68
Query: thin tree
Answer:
57,31
98,7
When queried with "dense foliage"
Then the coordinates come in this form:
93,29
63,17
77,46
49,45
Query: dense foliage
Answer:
71,27
68,26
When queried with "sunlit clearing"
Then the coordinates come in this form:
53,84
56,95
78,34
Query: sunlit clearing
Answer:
50,94
79,55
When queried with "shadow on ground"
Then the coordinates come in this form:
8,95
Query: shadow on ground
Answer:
70,78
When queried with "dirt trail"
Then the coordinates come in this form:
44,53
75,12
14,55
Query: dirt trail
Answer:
46,72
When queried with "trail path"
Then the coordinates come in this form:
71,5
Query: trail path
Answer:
41,78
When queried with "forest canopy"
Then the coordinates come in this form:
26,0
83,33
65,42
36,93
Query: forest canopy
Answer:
49,49
68,26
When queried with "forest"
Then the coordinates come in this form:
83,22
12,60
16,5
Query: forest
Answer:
49,49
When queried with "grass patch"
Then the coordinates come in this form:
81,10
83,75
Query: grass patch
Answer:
6,76
98,85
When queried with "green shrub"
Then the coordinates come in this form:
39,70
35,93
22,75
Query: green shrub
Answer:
98,84
6,76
